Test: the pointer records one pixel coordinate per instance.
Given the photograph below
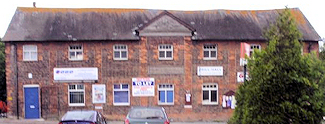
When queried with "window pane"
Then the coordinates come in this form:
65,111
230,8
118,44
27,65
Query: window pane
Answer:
116,86
206,53
162,54
26,55
213,96
161,96
116,54
76,97
169,54
72,55
29,47
125,86
33,55
170,96
121,97
72,87
124,54
213,54
205,95
80,87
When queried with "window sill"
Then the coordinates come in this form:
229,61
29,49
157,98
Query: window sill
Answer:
168,59
76,105
165,103
75,59
209,58
121,104
211,103
30,60
120,59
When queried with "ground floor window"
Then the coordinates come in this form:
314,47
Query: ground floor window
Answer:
76,95
210,94
121,93
166,94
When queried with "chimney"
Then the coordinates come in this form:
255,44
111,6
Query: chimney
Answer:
34,4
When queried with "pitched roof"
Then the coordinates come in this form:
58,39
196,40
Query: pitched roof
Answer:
61,24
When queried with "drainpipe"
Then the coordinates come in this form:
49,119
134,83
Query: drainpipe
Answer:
15,68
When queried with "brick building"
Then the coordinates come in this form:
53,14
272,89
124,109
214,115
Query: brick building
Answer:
111,59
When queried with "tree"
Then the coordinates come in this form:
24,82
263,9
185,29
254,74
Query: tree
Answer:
285,86
3,95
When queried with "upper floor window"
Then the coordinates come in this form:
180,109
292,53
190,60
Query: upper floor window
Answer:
210,94
253,47
165,52
166,94
30,53
75,52
120,52
210,52
76,95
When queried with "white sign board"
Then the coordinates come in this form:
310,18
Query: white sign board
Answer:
143,87
99,93
75,74
240,76
210,71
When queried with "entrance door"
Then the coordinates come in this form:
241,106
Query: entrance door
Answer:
31,102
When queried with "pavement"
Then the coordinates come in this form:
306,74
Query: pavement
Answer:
42,121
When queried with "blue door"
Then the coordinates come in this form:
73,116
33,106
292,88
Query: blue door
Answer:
31,103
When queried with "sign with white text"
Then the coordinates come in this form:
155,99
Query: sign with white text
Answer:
143,87
75,74
210,71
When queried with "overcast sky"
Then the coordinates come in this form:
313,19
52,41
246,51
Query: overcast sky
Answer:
312,9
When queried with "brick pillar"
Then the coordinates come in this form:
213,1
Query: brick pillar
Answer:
11,78
188,47
144,66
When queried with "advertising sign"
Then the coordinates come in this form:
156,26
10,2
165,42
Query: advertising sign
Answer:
75,74
143,87
240,76
99,93
210,71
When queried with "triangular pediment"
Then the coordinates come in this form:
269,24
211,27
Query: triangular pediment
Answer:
166,25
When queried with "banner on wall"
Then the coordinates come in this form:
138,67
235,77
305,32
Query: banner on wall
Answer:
99,93
143,87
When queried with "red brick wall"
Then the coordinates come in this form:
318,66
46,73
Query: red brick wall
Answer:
142,55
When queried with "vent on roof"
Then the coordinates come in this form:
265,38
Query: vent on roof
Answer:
34,4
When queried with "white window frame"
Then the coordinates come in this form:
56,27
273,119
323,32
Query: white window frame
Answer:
166,89
30,53
121,104
210,89
75,51
120,51
209,50
251,50
76,90
165,51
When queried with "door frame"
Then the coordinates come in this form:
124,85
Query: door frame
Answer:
39,97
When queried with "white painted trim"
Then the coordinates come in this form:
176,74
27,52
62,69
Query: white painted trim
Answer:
122,104
209,89
120,51
30,51
166,89
77,104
